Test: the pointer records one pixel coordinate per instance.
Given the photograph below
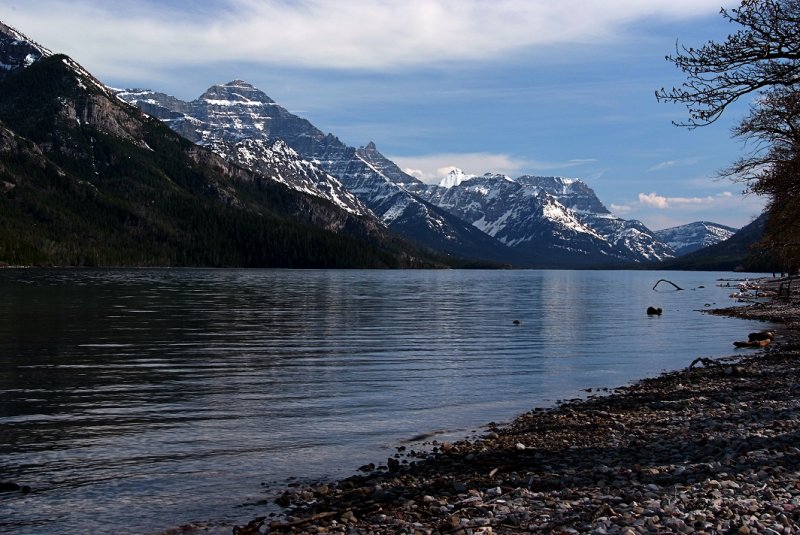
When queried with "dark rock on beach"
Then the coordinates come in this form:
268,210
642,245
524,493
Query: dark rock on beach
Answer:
714,448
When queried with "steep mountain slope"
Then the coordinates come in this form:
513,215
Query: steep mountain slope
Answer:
235,113
89,180
545,216
685,239
234,129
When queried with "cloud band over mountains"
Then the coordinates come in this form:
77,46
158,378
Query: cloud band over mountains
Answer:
374,34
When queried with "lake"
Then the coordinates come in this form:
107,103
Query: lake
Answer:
134,401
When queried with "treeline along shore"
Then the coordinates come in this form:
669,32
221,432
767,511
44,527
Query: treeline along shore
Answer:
713,448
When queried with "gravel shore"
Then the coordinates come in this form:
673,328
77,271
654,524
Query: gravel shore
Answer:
713,448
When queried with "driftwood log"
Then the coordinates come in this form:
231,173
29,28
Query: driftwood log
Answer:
669,282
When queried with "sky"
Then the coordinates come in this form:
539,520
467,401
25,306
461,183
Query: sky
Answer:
518,87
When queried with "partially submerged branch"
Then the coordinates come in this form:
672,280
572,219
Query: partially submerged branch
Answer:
670,282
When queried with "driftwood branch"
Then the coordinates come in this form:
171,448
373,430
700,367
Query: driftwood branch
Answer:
670,282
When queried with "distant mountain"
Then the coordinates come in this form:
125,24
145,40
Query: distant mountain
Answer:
236,116
691,237
86,179
739,252
545,217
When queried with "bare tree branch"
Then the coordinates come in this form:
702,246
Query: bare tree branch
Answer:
764,53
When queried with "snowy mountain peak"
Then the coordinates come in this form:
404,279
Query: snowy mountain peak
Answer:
454,178
235,93
240,84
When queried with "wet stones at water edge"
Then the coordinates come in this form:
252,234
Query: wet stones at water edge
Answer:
653,311
680,453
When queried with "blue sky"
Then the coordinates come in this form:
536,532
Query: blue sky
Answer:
518,87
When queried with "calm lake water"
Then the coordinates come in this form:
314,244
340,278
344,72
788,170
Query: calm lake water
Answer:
133,401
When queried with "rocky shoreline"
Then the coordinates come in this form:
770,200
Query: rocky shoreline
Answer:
714,448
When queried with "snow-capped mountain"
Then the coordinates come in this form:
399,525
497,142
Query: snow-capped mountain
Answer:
545,215
121,188
240,116
454,178
217,121
18,51
536,220
688,238
638,242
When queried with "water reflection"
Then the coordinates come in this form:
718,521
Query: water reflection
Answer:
149,398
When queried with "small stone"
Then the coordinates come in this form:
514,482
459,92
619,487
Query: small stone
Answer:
520,446
496,491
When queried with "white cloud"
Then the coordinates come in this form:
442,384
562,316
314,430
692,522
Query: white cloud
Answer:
661,202
366,34
621,209
432,168
675,163
651,199
659,211
416,173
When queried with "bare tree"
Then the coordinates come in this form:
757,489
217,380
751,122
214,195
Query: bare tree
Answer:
763,53
762,58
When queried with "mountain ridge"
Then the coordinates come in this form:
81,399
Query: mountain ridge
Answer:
238,111
554,213
88,180
685,239
529,221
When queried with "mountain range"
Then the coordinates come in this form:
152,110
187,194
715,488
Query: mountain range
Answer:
241,148
538,221
239,121
89,180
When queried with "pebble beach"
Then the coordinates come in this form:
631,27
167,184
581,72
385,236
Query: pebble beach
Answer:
712,448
